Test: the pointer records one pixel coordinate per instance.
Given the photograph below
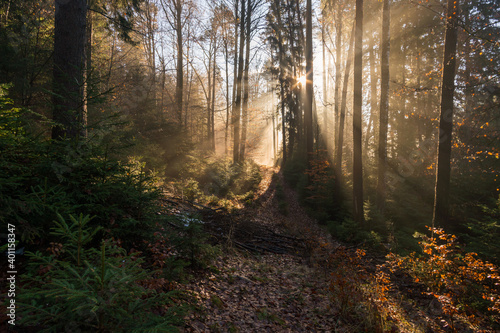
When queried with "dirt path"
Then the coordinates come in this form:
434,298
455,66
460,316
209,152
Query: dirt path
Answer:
283,286
265,292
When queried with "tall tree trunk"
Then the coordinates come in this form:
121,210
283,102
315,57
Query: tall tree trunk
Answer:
282,100
338,43
212,118
188,99
88,57
246,86
442,193
180,64
373,94
237,103
162,87
468,78
315,121
111,62
189,76
300,111
325,92
281,80
294,125
149,46
273,116
357,172
384,107
226,133
236,36
69,69
309,83
235,70
209,95
401,122
340,131
230,133
418,101
274,128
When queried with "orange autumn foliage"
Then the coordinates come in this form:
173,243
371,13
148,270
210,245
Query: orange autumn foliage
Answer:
460,281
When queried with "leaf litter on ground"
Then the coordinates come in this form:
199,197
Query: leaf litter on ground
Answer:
265,292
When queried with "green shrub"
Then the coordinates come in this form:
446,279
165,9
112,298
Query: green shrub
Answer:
348,231
191,189
483,232
246,178
192,243
294,169
42,179
211,180
218,177
90,289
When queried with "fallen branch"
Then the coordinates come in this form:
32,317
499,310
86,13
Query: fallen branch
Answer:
260,249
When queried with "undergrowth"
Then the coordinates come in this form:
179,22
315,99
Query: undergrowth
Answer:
181,246
217,181
466,287
40,178
100,257
315,185
99,289
356,295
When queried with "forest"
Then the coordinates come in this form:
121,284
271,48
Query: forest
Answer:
250,166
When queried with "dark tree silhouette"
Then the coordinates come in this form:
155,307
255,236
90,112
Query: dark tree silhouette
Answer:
309,82
70,37
442,193
384,107
356,114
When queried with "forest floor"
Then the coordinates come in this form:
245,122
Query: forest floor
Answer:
275,274
278,289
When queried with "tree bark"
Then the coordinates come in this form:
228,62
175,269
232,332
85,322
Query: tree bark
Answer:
70,69
88,58
338,43
384,107
441,198
189,76
180,63
340,131
309,83
226,133
237,103
209,93
235,70
357,175
274,128
373,94
281,79
325,89
300,110
246,86
214,77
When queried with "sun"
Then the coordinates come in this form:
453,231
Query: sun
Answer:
302,80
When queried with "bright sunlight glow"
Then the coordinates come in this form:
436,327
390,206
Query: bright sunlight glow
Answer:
302,80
